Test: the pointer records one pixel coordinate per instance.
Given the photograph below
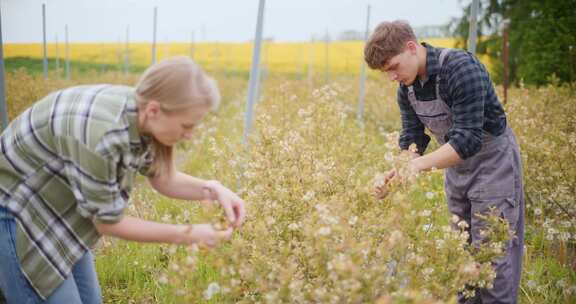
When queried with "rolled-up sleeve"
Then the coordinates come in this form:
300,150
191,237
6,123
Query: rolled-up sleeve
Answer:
467,83
94,181
412,128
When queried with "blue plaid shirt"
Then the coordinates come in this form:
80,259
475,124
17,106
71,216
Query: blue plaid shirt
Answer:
467,89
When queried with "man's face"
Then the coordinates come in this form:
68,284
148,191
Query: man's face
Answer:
403,67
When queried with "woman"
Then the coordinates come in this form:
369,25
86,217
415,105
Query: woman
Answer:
67,167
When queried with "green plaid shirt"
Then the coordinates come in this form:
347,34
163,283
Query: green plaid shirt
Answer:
65,162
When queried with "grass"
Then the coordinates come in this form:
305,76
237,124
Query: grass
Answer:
36,66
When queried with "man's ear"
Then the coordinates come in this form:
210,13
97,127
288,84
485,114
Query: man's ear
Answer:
412,46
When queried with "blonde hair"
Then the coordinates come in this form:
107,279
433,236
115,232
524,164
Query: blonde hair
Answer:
175,83
387,41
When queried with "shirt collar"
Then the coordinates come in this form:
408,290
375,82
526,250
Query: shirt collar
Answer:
432,60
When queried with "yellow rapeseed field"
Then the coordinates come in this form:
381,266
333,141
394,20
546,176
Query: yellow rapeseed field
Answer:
338,57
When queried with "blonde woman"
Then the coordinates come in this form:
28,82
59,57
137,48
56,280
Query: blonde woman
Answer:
67,166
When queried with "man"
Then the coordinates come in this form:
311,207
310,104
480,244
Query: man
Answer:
449,92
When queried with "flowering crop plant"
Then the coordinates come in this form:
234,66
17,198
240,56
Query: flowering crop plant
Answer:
315,231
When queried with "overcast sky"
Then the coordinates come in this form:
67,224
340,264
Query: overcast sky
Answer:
209,20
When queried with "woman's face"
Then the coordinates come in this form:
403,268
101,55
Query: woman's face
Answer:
172,127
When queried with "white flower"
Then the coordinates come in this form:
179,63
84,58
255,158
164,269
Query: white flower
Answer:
324,231
426,227
429,195
425,213
271,296
320,208
388,157
166,217
537,211
163,279
329,220
293,227
463,225
395,237
352,221
213,288
455,219
439,244
270,221
309,195
471,269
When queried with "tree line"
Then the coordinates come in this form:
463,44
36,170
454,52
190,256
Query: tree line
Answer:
542,38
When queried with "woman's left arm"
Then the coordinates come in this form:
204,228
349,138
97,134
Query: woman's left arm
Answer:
183,186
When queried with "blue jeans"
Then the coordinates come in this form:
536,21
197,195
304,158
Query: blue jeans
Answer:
80,287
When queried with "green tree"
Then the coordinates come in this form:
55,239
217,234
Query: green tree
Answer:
542,37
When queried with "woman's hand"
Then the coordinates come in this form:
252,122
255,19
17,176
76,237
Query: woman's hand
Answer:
205,235
232,204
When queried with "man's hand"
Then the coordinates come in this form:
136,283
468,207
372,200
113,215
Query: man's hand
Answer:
382,183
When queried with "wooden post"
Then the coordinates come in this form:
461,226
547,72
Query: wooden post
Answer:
505,50
326,57
473,27
57,55
3,107
571,56
254,73
192,45
154,35
45,51
360,114
127,52
67,52
310,60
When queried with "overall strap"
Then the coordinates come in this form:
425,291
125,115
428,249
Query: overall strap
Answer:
443,54
441,59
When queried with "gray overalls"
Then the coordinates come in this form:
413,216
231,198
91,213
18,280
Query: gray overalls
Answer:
492,177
